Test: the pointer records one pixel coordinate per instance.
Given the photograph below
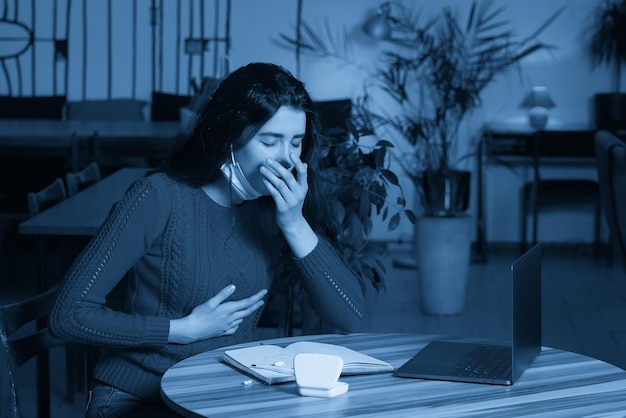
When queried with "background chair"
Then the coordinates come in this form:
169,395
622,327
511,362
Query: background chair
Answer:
76,181
611,163
166,107
16,210
543,193
13,210
21,339
46,197
32,107
37,202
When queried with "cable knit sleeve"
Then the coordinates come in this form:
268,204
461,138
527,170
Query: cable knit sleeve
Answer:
334,288
80,313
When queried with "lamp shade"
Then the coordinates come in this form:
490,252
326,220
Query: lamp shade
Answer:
538,97
538,101
379,25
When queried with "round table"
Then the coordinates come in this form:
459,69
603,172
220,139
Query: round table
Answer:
558,383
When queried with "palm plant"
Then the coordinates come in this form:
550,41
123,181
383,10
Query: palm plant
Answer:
428,82
607,46
607,42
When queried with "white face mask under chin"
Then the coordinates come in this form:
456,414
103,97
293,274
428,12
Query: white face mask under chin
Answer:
238,181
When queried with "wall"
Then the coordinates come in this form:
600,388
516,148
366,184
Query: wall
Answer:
90,49
255,29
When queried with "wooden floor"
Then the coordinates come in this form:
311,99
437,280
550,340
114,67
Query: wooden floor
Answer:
584,310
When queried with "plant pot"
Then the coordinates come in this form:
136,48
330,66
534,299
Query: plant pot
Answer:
445,193
610,110
443,258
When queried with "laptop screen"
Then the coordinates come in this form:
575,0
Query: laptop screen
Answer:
526,295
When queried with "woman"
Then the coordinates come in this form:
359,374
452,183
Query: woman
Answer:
235,204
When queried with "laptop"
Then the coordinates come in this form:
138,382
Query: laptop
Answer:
491,363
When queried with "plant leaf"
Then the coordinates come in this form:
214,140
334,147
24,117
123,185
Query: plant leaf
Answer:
391,177
394,222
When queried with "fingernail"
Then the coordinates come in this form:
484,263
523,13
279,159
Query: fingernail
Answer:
232,288
270,161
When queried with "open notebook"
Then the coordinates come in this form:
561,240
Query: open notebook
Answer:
274,364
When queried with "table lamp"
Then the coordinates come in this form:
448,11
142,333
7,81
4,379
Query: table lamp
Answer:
538,101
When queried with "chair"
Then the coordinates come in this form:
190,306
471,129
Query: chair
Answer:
21,172
32,107
541,193
77,181
333,116
611,163
23,336
46,197
38,202
166,106
13,210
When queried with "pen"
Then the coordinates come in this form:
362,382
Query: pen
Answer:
278,369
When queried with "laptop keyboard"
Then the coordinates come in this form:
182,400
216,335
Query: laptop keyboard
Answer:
486,362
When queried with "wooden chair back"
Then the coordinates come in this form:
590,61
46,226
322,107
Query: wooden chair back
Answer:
611,163
46,197
76,181
23,336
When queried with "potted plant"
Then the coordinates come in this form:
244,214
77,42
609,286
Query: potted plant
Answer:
607,46
422,89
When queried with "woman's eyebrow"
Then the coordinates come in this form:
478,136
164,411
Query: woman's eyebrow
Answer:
278,135
272,134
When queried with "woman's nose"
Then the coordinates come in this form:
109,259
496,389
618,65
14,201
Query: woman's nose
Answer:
287,164
283,159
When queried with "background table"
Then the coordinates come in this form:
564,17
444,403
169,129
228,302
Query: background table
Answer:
83,213
81,141
507,144
558,383
31,132
78,217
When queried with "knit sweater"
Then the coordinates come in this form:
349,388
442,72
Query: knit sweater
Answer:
182,249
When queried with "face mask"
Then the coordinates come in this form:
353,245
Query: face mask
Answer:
237,179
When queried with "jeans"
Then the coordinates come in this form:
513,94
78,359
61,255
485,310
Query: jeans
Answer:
109,402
